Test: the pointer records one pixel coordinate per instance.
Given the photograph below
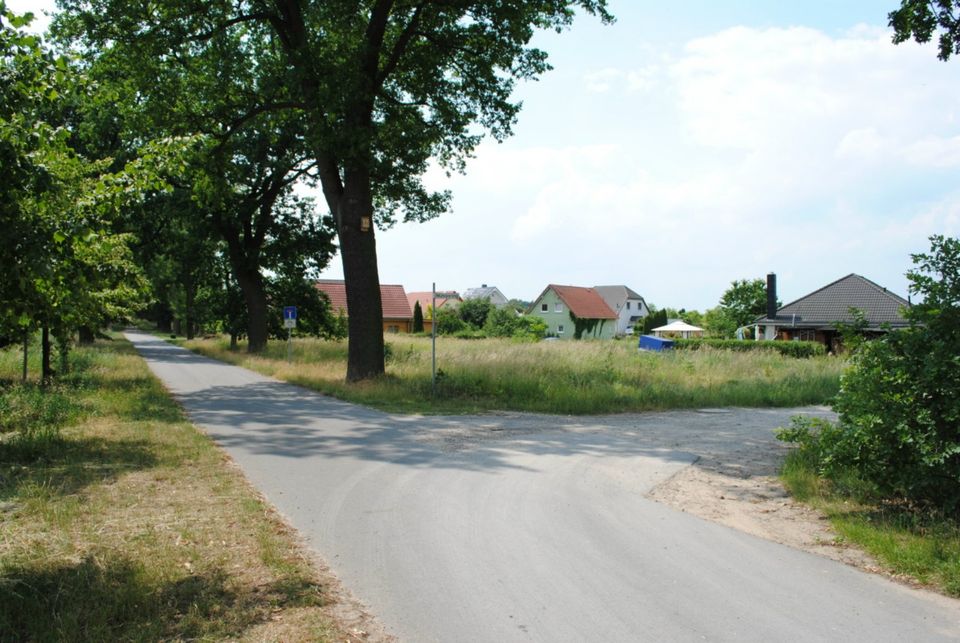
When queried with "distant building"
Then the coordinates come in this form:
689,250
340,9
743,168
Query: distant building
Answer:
445,299
397,314
629,306
815,316
561,306
486,292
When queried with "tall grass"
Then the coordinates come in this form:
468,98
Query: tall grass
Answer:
551,377
130,525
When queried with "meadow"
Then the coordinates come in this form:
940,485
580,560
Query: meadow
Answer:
586,377
122,522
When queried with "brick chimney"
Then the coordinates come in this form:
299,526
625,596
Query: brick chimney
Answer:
771,295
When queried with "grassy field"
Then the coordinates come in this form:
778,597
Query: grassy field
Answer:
549,377
920,545
128,524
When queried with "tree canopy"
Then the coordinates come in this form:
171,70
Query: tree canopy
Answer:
744,301
380,87
65,266
921,19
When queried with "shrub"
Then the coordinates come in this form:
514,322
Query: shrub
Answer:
474,312
448,321
504,322
790,349
899,403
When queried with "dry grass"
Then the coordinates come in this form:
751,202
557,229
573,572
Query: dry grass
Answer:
133,526
552,377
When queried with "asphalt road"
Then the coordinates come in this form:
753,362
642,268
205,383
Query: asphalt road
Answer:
521,527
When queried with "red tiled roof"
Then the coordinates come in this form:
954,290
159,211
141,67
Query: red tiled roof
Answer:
585,303
426,299
393,299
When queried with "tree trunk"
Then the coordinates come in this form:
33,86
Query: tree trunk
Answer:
63,349
358,252
85,335
26,351
191,298
255,296
46,373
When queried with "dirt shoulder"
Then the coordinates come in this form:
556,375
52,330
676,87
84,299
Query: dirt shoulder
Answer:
742,491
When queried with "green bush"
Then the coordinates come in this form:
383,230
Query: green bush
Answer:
505,322
790,349
474,312
899,403
448,321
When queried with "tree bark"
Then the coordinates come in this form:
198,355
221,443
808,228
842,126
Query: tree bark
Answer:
46,372
26,354
255,296
85,335
358,253
191,298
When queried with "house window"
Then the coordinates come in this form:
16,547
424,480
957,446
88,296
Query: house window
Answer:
393,329
560,329
544,308
558,307
628,305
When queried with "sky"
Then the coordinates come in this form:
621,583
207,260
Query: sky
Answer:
678,150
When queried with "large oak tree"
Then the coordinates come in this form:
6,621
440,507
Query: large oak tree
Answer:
384,86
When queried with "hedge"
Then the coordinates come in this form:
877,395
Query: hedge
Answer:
788,348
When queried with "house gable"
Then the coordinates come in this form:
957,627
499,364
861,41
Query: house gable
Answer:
825,307
627,303
492,293
583,303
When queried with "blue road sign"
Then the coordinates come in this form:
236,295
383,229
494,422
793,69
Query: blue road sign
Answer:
289,312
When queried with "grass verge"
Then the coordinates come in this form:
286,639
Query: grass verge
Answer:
916,544
128,524
548,377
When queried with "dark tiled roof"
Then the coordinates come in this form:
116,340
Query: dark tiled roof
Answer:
393,299
585,303
832,303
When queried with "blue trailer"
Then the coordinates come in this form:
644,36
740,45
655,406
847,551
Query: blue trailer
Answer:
651,343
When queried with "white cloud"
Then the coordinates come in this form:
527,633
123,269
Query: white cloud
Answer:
601,81
935,152
861,144
749,150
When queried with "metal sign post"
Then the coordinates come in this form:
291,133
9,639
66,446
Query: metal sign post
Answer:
289,322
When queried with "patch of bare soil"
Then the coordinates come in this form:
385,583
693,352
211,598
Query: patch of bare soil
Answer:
741,490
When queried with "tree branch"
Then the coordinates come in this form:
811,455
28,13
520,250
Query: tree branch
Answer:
400,46
253,17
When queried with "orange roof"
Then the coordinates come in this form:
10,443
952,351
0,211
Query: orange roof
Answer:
426,299
585,303
393,299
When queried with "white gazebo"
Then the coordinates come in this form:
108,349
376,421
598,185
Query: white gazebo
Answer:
678,328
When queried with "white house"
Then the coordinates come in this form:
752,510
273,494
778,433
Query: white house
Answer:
492,293
629,306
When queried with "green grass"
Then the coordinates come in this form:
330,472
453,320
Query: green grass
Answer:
121,521
908,541
590,377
